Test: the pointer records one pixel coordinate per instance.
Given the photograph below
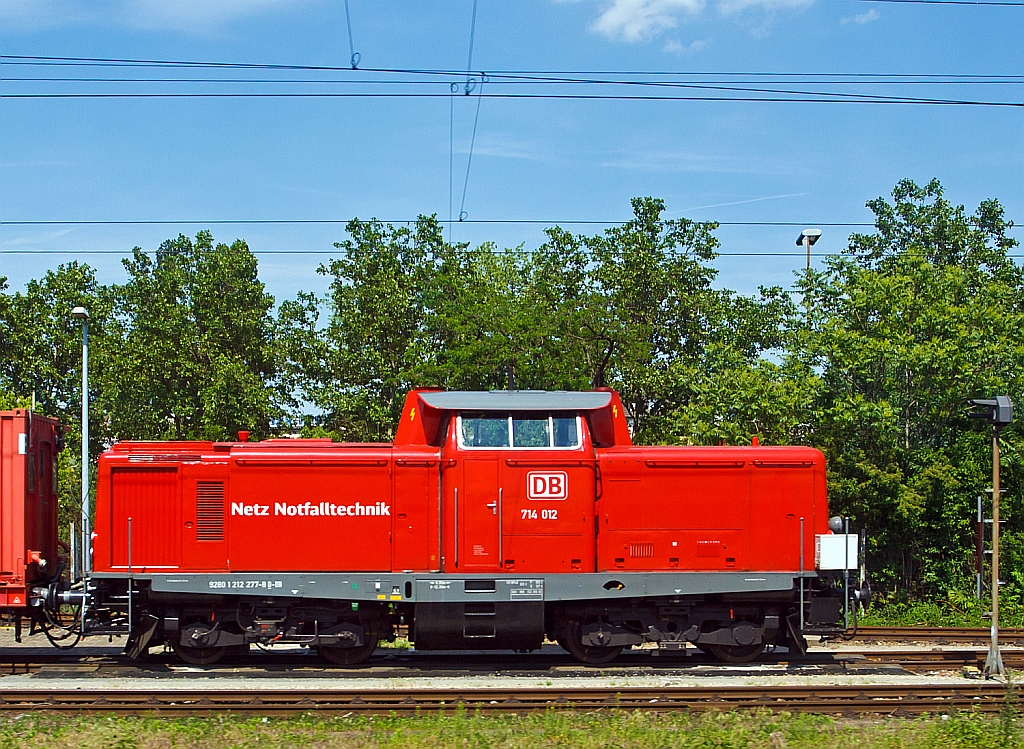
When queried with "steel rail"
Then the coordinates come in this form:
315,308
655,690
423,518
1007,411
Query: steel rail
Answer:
937,634
912,660
13,663
831,699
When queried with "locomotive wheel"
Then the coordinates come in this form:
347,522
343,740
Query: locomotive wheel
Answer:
736,653
572,641
199,656
358,654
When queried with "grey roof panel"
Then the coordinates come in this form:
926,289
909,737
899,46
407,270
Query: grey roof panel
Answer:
516,400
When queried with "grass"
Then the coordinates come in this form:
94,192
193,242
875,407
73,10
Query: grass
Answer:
399,643
561,729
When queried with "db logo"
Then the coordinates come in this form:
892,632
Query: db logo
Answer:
547,485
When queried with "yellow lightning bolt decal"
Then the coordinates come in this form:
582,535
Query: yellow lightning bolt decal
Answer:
615,412
412,414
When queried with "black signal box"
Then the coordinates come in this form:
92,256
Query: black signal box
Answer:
998,411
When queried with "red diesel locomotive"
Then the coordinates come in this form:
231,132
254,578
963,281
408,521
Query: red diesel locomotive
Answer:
495,520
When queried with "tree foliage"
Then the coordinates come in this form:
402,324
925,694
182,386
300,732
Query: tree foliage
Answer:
871,360
903,327
191,345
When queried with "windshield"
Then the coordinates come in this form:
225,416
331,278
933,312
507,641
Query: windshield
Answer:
519,430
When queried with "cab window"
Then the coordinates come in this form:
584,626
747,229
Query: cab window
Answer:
565,430
520,431
483,430
531,432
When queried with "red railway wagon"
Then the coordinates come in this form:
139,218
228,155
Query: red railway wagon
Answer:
29,555
494,520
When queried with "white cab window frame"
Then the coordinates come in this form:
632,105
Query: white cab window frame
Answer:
512,437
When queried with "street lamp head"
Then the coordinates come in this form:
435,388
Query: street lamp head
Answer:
80,312
811,235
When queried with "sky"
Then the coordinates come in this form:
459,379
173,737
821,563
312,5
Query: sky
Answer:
334,158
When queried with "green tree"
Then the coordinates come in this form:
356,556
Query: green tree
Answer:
635,307
192,345
357,368
902,328
41,353
41,343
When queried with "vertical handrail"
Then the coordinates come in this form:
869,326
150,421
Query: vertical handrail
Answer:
74,554
501,532
440,516
980,551
131,582
801,575
846,573
456,527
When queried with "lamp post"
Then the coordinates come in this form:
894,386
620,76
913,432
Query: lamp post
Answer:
83,314
807,238
999,412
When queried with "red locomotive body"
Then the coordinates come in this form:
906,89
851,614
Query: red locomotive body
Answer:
535,504
28,505
493,521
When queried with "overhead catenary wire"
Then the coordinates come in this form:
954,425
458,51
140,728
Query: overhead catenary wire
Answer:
725,90
336,251
354,57
446,72
838,80
472,37
472,144
451,155
549,222
819,99
476,117
789,93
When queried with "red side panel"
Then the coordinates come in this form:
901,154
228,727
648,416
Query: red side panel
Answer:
548,503
477,530
415,510
28,503
149,497
310,510
204,506
708,508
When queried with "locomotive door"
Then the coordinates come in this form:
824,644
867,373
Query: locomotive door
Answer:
548,487
475,512
471,526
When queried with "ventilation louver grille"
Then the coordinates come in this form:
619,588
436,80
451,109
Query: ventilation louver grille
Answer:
209,510
709,549
641,551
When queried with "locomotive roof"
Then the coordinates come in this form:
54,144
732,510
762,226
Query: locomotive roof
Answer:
516,400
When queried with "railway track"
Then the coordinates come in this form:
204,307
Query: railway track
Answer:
831,699
938,635
412,665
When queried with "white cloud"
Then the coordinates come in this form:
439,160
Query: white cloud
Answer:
640,20
682,162
196,16
871,15
506,146
728,7
678,48
27,15
643,20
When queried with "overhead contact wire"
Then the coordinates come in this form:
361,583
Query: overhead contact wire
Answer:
476,117
354,56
